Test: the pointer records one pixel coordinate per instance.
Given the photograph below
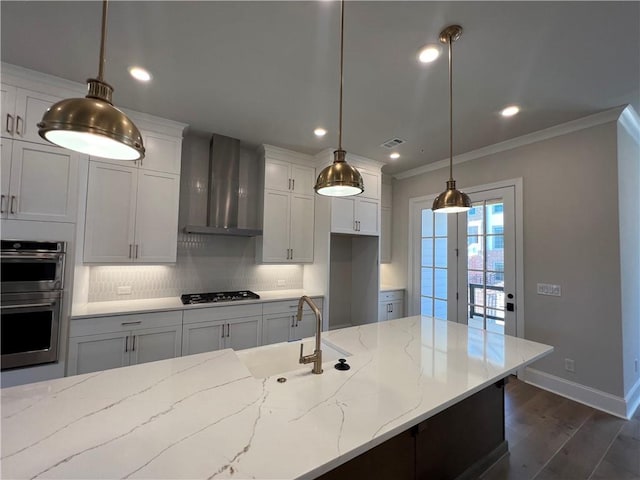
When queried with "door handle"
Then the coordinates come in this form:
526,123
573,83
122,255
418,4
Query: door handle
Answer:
131,323
510,307
18,121
6,124
12,210
2,197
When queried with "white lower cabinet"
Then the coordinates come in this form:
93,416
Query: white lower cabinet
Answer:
101,343
391,305
279,322
214,328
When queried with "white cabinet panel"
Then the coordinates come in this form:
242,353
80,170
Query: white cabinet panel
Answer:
343,215
306,327
111,210
275,230
276,175
162,153
43,183
355,215
303,179
94,353
156,217
385,235
156,344
243,333
391,305
275,328
202,337
22,112
371,183
367,216
5,175
301,228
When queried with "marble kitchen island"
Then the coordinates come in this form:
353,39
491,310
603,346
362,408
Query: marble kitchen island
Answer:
206,416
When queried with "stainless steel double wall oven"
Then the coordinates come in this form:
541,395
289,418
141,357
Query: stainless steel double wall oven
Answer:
32,282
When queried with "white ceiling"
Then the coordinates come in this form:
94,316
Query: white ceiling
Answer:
267,72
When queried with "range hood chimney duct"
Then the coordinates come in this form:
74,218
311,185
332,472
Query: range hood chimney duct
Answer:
224,190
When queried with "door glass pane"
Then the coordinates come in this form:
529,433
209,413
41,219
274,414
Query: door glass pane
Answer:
440,309
427,252
440,283
441,252
475,220
475,253
441,225
426,286
427,223
426,306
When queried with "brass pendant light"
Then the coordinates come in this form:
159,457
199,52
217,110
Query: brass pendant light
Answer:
92,125
451,200
340,179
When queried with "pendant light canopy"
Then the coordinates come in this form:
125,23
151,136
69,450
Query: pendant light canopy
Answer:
340,179
451,200
92,125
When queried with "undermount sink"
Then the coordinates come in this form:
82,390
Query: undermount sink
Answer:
279,358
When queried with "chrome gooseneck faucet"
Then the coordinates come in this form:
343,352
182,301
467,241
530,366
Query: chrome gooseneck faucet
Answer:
316,356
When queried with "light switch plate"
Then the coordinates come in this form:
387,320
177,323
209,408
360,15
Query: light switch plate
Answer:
549,289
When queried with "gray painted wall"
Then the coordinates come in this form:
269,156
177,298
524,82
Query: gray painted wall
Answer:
571,238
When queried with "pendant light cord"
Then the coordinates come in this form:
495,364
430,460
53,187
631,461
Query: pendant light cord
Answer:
450,108
341,71
102,41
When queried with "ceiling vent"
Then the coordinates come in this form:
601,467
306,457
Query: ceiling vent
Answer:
392,143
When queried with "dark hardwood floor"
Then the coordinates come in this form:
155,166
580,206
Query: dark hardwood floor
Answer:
553,438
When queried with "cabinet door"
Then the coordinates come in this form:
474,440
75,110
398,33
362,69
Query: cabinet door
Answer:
383,311
343,215
301,235
371,185
396,310
154,344
93,353
243,333
111,209
30,107
306,327
385,235
8,109
202,337
276,175
5,175
302,179
156,220
275,229
367,215
44,182
276,328
162,153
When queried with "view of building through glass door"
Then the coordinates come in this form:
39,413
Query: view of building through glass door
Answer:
467,262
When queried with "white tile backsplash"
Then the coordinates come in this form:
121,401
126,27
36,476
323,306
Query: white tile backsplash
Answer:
205,263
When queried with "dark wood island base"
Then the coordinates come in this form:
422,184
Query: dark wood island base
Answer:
460,442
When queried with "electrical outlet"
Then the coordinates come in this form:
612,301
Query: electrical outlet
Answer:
281,283
569,365
549,289
124,290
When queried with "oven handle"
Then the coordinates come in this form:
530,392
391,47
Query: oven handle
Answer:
12,256
27,305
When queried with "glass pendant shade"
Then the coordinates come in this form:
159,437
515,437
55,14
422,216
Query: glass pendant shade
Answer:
339,179
92,125
451,200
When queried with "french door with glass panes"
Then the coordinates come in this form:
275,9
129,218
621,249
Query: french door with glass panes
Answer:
466,268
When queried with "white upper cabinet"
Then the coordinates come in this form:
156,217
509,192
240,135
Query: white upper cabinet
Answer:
39,182
132,215
371,181
288,208
22,109
355,215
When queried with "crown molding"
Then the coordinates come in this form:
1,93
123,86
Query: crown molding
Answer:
630,121
325,157
545,134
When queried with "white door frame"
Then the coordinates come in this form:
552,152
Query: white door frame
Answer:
413,281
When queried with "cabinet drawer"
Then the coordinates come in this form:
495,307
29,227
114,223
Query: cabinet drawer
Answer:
222,313
121,323
391,295
288,306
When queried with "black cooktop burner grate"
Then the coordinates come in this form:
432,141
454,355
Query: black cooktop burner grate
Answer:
213,297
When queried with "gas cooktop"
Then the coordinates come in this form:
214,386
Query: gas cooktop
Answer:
191,298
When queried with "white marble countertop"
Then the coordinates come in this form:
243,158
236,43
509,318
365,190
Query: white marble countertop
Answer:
147,305
205,416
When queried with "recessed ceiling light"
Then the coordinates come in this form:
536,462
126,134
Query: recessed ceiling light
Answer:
510,111
320,132
394,155
140,74
429,53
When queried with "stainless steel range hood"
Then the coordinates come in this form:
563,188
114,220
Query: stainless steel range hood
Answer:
223,190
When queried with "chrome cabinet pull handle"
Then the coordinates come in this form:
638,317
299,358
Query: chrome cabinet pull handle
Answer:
18,121
131,323
291,254
12,210
228,330
133,349
2,197
136,250
293,319
294,184
126,344
6,125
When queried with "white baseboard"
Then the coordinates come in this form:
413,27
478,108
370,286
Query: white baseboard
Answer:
618,406
633,399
